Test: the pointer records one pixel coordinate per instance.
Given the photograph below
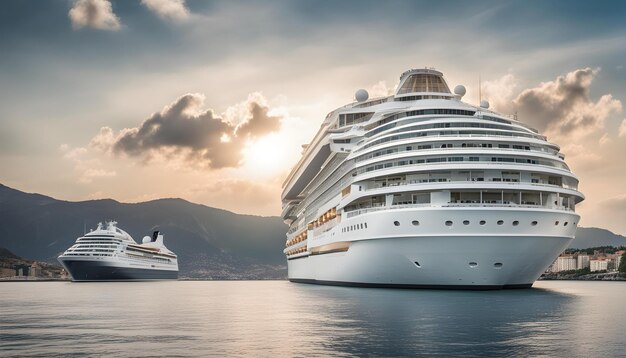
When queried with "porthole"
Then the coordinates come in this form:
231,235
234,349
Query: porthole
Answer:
497,265
483,222
556,223
465,222
361,226
448,223
500,222
534,223
515,223
415,222
396,223
473,264
417,264
565,224
366,225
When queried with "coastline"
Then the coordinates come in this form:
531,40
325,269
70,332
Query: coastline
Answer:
613,276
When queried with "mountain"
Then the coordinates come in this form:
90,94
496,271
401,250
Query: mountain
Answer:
6,254
587,237
210,243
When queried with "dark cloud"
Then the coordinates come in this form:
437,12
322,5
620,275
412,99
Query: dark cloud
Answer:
564,104
183,129
259,122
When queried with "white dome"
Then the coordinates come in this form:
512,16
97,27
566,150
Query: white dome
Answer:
484,103
146,239
361,95
459,90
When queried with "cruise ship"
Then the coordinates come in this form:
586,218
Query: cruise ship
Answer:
422,190
108,253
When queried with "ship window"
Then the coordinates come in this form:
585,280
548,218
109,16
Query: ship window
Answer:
515,223
415,222
466,222
534,223
565,224
473,264
500,222
497,265
483,222
366,225
417,264
556,223
396,223
448,223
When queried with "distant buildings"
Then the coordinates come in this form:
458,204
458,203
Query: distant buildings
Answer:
7,272
582,261
599,261
22,270
599,265
566,263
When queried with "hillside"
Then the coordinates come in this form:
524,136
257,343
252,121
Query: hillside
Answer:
587,237
211,243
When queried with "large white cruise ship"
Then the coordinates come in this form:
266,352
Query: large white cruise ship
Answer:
419,189
110,254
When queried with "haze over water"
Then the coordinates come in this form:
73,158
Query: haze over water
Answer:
278,318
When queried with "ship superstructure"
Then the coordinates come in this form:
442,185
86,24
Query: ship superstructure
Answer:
420,189
110,253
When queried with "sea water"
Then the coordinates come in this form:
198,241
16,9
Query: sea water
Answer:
279,318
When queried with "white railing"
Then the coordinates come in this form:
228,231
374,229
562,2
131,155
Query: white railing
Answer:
447,180
358,212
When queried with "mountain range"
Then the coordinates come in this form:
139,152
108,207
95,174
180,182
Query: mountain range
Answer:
210,242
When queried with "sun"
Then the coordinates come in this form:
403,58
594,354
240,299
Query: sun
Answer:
268,155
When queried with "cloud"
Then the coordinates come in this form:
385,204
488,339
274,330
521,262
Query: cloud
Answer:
564,106
170,10
89,174
199,137
622,129
380,89
86,169
500,92
604,140
97,14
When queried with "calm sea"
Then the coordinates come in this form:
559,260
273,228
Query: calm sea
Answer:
278,318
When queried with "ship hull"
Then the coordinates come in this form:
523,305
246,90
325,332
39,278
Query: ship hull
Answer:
82,270
432,255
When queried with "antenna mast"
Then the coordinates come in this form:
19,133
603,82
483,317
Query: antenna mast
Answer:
480,96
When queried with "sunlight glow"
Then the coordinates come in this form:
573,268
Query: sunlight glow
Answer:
268,155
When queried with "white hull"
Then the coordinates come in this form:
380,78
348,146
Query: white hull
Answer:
457,256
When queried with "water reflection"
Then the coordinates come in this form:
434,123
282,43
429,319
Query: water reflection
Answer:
408,322
284,319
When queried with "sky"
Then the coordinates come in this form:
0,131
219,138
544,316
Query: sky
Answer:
210,101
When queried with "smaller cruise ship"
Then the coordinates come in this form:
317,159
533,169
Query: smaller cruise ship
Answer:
110,254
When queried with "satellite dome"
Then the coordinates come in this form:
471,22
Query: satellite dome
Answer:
484,103
459,90
361,95
146,239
